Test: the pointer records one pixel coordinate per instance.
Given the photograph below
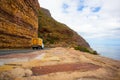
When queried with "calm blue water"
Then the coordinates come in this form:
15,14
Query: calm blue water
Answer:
111,51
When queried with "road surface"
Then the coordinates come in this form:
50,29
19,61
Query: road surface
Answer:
4,52
17,51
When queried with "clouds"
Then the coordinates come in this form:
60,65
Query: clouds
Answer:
90,18
95,9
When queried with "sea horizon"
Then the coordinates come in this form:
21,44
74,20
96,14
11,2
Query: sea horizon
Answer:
108,50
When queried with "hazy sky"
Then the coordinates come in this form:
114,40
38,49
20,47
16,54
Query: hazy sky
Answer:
98,21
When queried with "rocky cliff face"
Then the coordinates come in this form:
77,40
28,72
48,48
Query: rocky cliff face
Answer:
57,34
46,12
18,22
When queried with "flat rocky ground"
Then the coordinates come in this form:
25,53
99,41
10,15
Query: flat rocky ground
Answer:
58,64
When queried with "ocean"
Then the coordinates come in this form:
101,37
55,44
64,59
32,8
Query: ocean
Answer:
111,51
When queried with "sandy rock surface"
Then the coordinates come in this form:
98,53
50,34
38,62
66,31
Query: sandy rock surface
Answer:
59,64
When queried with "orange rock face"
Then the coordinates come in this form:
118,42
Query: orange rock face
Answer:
18,22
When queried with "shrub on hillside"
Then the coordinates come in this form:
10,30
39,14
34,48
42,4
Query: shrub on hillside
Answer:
84,49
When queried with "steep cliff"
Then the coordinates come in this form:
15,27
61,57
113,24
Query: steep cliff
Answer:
57,34
18,22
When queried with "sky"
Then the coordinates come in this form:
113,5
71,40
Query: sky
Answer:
97,21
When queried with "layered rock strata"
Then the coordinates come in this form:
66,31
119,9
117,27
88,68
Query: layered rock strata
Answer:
18,23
